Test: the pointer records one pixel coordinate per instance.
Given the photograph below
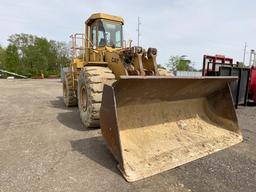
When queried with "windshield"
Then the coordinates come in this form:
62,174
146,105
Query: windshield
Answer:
109,34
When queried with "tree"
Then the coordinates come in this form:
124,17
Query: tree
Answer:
33,55
173,62
2,57
178,63
60,54
183,65
12,58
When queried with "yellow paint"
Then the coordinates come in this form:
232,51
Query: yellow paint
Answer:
96,16
78,63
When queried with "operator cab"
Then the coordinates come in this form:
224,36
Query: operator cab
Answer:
109,34
105,30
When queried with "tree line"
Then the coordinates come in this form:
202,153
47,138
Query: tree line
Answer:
31,55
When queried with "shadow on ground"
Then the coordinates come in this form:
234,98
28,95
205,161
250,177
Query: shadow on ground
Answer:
71,120
70,115
95,149
59,103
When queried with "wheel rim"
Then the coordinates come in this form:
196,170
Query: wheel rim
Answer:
83,98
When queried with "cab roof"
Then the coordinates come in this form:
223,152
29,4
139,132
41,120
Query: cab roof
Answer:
95,16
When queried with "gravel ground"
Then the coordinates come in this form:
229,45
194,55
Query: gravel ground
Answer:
43,147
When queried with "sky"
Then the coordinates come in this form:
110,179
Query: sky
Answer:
174,27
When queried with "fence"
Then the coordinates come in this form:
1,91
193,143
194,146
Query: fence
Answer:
187,73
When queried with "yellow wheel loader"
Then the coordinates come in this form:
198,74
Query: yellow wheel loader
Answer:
151,123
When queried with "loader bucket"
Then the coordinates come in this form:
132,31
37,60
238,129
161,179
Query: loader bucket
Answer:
153,124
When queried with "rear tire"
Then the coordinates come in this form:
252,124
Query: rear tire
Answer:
89,92
69,93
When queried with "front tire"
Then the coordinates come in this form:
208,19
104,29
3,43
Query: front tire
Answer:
89,92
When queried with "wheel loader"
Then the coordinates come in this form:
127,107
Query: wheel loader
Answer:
150,122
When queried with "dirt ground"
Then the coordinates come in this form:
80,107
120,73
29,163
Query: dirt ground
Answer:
44,147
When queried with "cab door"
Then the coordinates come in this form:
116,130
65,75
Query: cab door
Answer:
92,53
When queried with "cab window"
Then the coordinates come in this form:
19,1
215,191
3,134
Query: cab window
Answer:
94,35
109,34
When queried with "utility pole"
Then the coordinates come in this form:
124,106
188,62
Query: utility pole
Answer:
252,58
245,47
138,30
